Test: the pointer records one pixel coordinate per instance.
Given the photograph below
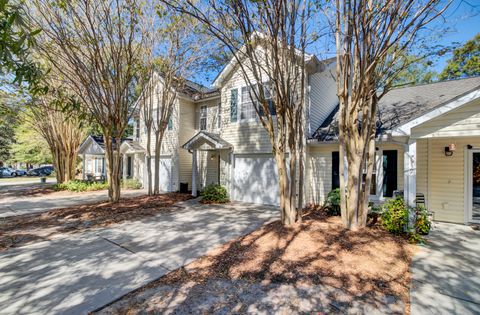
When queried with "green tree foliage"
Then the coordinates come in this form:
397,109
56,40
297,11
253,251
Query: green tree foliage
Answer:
15,43
417,71
30,147
465,61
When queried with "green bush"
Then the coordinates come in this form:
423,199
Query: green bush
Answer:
79,185
422,222
214,194
333,202
395,215
131,183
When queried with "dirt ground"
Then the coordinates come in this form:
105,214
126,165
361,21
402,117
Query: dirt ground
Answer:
19,230
317,266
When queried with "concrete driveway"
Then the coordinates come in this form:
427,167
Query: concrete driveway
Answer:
79,273
446,273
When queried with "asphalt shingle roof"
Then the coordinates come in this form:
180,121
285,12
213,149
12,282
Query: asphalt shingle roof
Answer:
401,105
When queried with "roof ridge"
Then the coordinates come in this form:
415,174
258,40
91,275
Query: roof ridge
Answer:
404,86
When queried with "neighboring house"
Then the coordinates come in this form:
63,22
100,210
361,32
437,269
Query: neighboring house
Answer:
92,153
428,142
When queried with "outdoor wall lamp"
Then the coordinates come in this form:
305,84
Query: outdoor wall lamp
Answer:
450,149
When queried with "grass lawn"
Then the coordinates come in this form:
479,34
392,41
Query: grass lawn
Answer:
24,229
316,267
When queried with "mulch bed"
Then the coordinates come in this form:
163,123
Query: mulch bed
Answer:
370,264
19,230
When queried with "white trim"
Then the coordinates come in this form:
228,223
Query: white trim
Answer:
405,129
468,186
410,172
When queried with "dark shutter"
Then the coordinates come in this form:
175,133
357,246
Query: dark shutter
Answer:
389,172
233,105
335,170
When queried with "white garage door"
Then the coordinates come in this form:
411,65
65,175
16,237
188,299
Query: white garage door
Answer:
165,174
255,179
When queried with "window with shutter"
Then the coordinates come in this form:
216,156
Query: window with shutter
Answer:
233,105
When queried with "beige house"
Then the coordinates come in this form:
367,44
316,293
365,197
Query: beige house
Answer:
428,143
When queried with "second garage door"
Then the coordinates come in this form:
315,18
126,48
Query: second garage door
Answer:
255,179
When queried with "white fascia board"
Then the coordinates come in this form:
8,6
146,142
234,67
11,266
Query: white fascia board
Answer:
405,129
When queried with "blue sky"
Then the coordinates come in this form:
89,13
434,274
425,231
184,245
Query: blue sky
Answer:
459,23
463,19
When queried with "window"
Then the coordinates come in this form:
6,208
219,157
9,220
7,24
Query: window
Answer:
170,123
219,115
137,128
247,108
271,104
203,117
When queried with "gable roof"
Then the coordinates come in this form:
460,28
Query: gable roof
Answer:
401,105
98,141
230,66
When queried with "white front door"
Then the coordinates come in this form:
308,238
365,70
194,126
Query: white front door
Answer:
255,179
473,203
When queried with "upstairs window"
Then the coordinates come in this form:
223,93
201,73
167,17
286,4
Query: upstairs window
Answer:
203,117
247,108
170,123
137,128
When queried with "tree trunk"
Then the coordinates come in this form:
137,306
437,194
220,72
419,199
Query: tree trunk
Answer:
149,161
113,167
287,205
158,150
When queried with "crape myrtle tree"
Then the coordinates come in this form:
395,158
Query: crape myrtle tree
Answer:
267,41
371,38
174,48
96,45
62,125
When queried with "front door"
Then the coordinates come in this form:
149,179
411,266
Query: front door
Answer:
474,186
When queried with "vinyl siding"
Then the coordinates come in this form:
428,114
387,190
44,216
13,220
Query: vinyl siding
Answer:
446,177
186,131
322,98
422,167
463,121
245,136
319,170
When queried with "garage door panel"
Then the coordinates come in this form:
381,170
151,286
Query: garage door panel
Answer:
256,180
165,174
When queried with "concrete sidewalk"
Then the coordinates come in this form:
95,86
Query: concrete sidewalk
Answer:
445,274
10,206
79,273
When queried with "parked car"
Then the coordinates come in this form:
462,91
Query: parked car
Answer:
7,172
21,172
41,171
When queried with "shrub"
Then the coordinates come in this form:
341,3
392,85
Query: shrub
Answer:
333,202
79,185
422,222
214,194
131,183
395,215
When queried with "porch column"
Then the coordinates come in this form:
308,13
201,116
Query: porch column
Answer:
124,167
194,173
410,172
83,166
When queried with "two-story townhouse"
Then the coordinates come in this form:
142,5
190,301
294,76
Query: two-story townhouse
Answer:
427,144
175,163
